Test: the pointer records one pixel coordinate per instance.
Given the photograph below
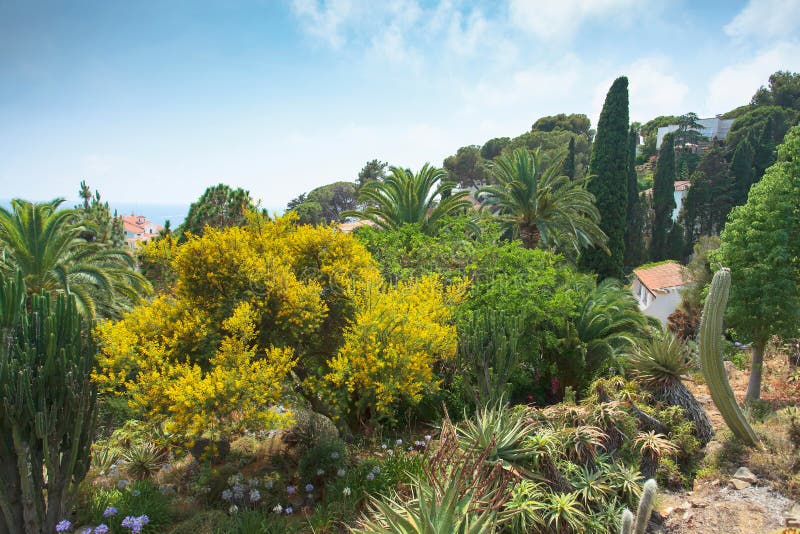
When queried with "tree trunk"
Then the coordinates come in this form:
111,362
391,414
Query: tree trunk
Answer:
677,394
754,384
529,234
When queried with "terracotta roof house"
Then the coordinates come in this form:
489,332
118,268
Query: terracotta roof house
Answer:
348,227
657,288
138,230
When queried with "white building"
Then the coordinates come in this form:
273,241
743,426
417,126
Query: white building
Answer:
712,128
657,289
681,190
138,229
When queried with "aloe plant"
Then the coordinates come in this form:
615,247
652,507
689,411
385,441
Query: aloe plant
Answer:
711,358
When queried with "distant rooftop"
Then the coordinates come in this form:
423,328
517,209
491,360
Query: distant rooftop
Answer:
661,276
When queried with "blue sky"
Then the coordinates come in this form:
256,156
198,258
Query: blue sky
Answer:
154,101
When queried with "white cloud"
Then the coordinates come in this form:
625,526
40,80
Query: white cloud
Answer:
653,90
324,19
735,84
561,19
765,19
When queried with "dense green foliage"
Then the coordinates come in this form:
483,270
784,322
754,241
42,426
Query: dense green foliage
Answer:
576,123
47,406
373,171
608,181
467,167
325,204
663,200
219,206
710,197
761,246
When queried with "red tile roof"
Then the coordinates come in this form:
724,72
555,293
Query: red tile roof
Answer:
350,226
669,274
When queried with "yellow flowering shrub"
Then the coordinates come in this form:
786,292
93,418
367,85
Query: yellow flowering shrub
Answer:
390,351
239,389
248,305
155,261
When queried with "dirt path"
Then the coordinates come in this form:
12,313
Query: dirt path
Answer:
715,506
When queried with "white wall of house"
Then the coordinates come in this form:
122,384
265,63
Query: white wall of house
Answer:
680,196
713,127
664,304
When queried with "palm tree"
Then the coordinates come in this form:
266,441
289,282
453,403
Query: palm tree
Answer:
408,198
44,243
659,364
544,207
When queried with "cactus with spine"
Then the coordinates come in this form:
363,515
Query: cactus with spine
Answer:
47,407
711,358
646,501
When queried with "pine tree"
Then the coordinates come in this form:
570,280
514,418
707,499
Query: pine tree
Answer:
710,198
608,183
676,246
741,170
569,161
634,231
663,199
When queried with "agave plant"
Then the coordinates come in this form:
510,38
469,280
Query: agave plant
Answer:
142,460
501,431
653,447
458,493
659,364
563,513
429,511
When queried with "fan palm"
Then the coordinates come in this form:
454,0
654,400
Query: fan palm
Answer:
408,198
544,207
44,243
659,364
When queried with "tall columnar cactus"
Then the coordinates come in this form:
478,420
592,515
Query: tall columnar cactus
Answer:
711,358
646,501
47,407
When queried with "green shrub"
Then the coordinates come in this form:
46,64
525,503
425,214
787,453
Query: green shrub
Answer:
138,498
205,522
322,460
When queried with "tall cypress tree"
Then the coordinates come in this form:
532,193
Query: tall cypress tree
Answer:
742,172
569,161
663,199
634,230
764,152
608,169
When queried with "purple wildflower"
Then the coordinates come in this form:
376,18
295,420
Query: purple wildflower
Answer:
63,526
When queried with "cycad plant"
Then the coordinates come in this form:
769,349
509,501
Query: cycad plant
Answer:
403,197
659,364
653,447
542,205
